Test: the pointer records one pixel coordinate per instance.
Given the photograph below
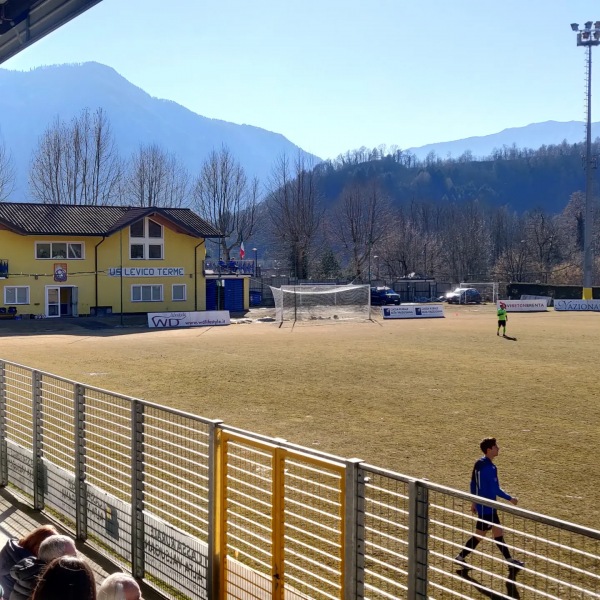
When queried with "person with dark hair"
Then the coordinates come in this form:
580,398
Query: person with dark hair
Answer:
502,318
26,572
66,578
17,549
484,483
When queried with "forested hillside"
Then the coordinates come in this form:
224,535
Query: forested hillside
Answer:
517,215
523,179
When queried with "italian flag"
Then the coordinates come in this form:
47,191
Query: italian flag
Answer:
242,251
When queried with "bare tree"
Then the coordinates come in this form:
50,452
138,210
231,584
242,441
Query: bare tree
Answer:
156,178
466,242
360,221
544,238
225,198
293,203
76,163
7,172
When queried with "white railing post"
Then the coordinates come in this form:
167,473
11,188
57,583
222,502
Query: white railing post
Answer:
354,538
3,444
80,485
418,524
138,566
37,419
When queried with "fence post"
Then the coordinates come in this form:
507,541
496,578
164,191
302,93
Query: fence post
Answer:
354,529
418,522
80,486
37,418
3,443
138,566
212,568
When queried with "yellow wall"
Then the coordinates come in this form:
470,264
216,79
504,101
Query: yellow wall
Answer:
178,252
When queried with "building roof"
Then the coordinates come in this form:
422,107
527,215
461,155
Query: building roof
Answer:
23,22
73,219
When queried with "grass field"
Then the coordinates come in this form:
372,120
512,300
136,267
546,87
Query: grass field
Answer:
415,396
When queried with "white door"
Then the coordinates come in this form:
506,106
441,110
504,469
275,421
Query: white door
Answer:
74,297
53,302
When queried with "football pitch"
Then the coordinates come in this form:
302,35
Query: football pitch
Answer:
414,396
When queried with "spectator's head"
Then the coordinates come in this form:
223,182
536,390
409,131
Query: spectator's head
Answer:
119,586
66,578
34,538
56,546
488,444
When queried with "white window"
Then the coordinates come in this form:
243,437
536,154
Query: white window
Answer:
16,295
59,250
179,292
146,240
146,293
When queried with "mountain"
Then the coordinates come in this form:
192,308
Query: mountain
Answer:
531,136
30,102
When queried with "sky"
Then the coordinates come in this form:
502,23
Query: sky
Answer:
333,75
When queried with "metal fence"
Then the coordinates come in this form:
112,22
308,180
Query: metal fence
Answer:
202,510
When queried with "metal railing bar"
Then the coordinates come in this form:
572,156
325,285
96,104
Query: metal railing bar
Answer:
323,553
290,552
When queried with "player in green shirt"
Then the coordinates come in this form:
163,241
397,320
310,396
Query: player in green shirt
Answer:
502,318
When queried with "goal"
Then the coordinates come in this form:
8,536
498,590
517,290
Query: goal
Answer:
488,290
322,302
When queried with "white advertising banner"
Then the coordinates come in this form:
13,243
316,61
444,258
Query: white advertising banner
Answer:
524,305
593,305
412,311
202,318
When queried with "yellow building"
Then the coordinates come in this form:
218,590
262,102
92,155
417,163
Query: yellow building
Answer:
68,260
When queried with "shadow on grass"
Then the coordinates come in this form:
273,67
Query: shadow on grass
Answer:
511,584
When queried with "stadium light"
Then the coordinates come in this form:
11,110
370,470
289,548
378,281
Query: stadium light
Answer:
255,250
588,37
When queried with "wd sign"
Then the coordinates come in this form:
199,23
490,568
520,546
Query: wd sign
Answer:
204,318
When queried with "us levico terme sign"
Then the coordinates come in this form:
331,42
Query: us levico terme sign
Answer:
411,311
202,318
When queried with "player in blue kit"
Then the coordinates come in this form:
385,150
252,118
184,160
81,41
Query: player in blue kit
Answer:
484,483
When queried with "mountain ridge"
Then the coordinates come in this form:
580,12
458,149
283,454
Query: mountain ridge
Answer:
35,98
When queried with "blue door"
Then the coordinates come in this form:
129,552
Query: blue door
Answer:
234,295
211,294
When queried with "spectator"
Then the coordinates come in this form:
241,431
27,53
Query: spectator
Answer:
17,549
66,578
119,586
26,571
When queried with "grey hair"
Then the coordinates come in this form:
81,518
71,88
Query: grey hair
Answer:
114,587
56,546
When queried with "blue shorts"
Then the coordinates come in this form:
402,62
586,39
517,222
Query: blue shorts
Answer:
487,521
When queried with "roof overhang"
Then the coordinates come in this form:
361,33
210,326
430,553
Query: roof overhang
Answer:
23,22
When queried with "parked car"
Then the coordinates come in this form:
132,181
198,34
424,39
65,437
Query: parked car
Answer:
382,296
463,296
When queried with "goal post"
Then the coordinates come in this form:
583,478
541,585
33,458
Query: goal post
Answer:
311,302
488,290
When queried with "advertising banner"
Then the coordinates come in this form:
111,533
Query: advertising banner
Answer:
524,305
202,318
593,305
412,311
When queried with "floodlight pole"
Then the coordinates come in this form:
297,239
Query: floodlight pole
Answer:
588,36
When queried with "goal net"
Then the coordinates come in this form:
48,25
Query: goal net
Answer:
316,302
488,290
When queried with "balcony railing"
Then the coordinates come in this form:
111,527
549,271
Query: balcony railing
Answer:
229,267
3,268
